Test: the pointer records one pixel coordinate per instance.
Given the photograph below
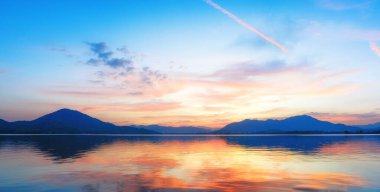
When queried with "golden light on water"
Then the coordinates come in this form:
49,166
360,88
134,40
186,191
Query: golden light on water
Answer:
209,164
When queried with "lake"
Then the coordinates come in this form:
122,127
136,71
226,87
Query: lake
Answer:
92,163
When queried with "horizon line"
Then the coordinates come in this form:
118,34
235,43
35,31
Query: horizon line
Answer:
196,126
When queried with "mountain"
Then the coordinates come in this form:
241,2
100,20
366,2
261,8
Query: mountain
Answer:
3,123
369,126
175,130
296,124
67,121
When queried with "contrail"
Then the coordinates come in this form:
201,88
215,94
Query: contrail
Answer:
244,24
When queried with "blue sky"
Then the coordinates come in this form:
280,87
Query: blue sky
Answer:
188,60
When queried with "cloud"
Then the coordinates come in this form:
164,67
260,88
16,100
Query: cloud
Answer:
212,121
375,48
148,75
152,106
249,84
248,69
123,68
77,93
139,77
340,5
155,106
243,89
258,86
64,51
58,49
244,24
103,56
348,118
96,82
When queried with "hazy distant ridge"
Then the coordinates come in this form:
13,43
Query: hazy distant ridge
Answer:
175,130
370,126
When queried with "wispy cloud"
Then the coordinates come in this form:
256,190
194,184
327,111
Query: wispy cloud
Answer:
63,51
103,56
244,24
76,93
258,86
349,118
375,48
155,106
148,75
216,120
253,69
123,67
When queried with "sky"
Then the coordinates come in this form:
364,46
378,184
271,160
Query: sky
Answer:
191,62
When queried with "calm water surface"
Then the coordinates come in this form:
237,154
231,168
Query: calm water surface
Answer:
189,163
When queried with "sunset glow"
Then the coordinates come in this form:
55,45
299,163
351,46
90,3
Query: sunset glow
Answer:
199,63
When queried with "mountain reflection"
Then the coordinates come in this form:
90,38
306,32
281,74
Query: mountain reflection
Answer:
188,163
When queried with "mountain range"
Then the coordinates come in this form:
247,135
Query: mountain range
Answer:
67,121
375,126
296,124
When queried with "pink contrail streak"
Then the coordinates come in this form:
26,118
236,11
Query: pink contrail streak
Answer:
244,24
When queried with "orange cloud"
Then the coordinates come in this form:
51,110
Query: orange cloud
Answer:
215,120
347,118
150,107
235,92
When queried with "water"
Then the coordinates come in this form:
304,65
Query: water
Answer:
91,163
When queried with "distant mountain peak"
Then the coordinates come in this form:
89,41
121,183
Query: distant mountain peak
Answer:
305,117
66,115
66,110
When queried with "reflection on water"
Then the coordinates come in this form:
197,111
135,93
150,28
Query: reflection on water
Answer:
189,163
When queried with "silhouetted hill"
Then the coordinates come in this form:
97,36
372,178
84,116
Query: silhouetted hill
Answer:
175,130
369,126
71,119
296,124
3,123
66,121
